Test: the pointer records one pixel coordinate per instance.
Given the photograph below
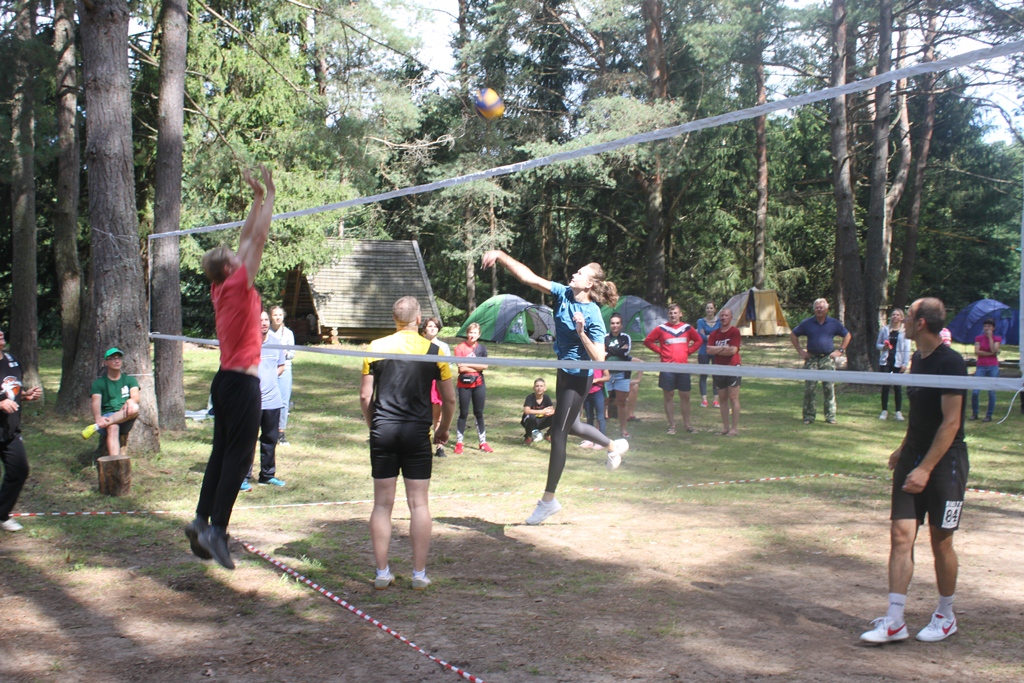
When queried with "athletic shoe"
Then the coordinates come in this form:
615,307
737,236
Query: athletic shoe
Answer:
273,481
634,419
420,584
987,418
717,405
537,436
883,632
940,628
527,441
543,511
283,441
486,447
214,540
439,453
89,431
246,486
973,418
899,416
830,420
11,525
547,437
458,448
586,444
192,531
807,422
382,582
619,448
884,415
703,402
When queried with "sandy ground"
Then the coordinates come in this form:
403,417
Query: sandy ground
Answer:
674,589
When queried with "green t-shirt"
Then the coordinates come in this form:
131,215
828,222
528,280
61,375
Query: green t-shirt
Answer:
113,394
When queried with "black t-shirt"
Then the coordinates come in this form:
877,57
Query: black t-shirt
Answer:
926,402
531,402
617,348
10,388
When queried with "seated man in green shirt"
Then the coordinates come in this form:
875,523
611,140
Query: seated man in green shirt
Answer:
115,403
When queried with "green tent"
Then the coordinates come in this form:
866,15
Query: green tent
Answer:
639,317
509,319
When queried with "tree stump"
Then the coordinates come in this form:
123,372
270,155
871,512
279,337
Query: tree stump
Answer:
115,474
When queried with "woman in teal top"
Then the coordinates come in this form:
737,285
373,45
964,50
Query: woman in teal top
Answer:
705,326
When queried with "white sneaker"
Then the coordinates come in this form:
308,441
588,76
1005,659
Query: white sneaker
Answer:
382,582
537,436
899,416
586,444
940,628
543,511
619,448
883,632
420,584
11,525
884,415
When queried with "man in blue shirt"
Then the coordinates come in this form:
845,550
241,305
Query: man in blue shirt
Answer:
821,354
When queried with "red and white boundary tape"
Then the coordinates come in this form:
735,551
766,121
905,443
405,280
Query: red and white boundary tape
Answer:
358,612
452,496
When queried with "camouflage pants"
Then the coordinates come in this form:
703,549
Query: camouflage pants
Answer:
820,363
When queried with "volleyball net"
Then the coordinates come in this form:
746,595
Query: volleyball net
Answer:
751,370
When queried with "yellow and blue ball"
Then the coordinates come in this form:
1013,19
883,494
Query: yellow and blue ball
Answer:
488,104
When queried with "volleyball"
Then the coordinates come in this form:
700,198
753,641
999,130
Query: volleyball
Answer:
488,104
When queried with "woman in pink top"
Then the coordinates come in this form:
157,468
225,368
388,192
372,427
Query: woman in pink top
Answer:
236,386
986,348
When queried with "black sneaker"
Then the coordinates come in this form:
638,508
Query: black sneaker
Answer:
634,419
214,539
439,453
192,531
283,441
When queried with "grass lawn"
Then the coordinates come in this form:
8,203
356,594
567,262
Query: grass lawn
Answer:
546,616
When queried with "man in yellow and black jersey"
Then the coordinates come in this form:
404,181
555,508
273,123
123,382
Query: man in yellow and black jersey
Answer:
395,399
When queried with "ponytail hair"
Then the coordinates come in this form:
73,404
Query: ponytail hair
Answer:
603,292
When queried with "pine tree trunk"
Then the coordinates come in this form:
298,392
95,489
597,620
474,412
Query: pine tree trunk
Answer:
901,297
166,291
23,336
761,152
65,224
117,273
470,266
653,183
846,224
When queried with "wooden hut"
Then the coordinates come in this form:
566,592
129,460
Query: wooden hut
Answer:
351,298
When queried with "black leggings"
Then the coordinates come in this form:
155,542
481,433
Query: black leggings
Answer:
570,392
236,424
12,454
477,396
890,367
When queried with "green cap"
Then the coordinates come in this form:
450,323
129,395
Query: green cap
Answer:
113,351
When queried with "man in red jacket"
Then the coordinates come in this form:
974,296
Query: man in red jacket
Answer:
674,341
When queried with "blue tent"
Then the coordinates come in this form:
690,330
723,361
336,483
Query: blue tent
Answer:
968,322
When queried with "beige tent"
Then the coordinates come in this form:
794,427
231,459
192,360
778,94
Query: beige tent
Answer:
758,313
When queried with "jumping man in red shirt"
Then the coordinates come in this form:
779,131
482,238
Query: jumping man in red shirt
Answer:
236,386
674,341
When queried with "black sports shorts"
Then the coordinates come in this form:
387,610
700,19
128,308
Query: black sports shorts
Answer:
400,447
673,381
726,381
943,495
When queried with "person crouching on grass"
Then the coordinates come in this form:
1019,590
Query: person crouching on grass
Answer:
724,348
395,399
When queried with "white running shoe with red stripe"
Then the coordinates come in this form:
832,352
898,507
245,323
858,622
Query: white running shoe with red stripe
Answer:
885,631
940,628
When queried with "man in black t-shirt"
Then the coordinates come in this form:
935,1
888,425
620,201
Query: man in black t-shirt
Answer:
537,412
12,449
929,477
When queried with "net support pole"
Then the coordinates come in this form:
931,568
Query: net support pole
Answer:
1020,303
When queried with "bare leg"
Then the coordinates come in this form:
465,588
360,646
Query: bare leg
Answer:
380,519
634,391
416,491
733,394
113,440
669,409
684,408
621,399
946,561
723,408
901,555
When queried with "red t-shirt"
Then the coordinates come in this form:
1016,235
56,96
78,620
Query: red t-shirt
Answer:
730,337
477,350
237,308
673,344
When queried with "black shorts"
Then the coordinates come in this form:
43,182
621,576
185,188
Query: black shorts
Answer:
674,381
943,495
400,447
726,381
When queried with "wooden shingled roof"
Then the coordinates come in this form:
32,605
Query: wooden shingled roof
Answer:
352,297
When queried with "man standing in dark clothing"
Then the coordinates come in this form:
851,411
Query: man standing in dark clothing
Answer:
929,477
12,449
821,331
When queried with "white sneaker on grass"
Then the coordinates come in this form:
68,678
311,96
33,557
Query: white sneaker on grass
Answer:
619,448
884,415
899,416
884,631
420,584
382,582
940,628
543,511
11,525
